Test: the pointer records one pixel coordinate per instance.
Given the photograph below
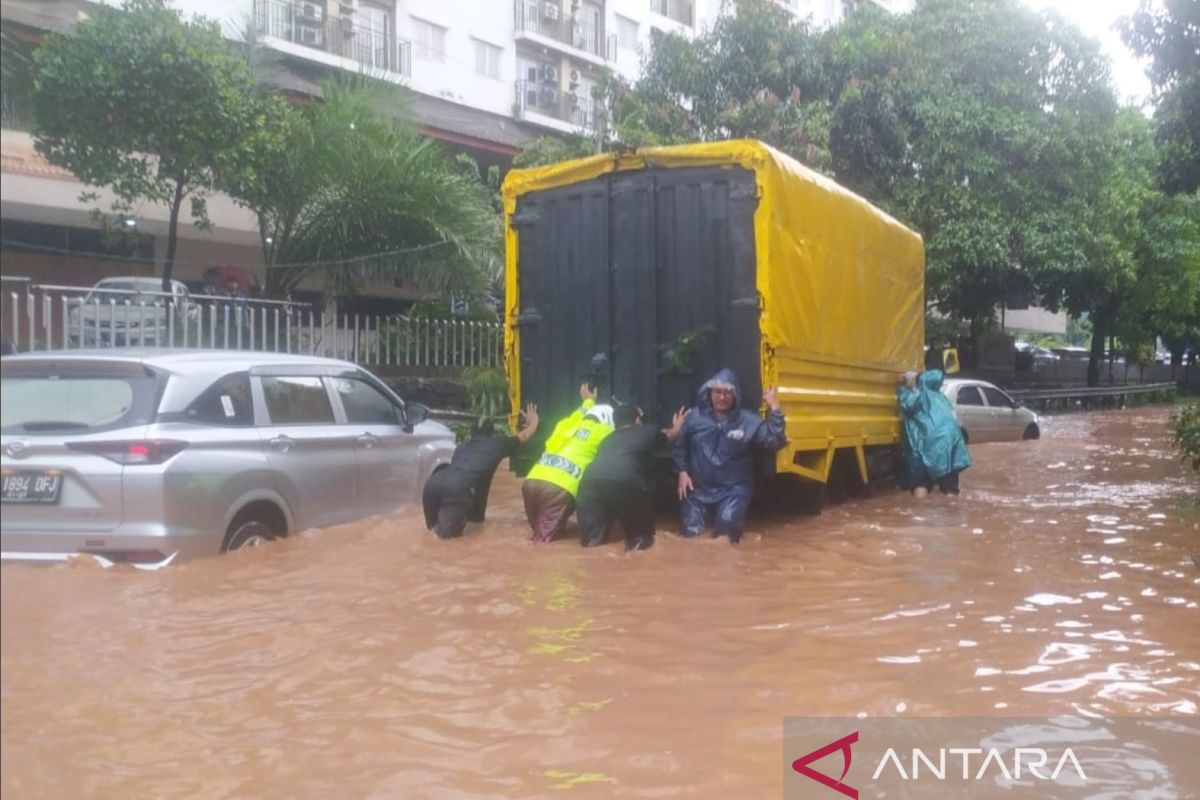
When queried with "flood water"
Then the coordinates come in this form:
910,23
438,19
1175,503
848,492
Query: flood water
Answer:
375,661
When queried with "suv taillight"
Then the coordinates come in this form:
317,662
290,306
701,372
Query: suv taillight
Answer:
132,453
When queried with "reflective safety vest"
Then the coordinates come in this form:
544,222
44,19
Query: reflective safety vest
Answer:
569,450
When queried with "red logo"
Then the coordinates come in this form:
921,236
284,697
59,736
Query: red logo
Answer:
843,744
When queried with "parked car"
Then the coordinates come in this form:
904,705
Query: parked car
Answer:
148,456
128,311
989,414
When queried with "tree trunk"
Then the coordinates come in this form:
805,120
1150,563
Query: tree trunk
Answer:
172,237
1096,357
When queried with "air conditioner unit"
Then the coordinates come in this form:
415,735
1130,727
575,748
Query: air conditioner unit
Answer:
550,10
549,74
310,36
574,76
549,98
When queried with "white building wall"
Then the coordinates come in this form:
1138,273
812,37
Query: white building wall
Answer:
454,77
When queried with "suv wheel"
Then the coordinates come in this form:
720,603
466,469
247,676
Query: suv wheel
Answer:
1031,431
247,532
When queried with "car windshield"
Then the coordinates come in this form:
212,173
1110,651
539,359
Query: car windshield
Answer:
110,289
46,403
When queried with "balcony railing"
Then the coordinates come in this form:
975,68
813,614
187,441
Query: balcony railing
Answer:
307,23
544,98
548,19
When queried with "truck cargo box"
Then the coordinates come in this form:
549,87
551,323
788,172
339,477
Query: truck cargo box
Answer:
650,270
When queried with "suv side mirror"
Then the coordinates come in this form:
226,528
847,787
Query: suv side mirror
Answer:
415,414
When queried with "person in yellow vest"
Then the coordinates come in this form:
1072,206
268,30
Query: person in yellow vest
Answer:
550,487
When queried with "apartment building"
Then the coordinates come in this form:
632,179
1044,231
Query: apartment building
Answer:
487,77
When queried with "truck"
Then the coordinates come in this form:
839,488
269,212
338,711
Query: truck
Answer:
646,271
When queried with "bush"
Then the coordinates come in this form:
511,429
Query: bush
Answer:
1185,425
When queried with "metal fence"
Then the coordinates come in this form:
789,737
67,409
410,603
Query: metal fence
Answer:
48,317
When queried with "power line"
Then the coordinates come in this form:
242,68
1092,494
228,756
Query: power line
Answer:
224,263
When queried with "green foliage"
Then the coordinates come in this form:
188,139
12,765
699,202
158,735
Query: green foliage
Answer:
679,356
1168,33
145,103
756,73
1185,429
347,188
488,390
554,149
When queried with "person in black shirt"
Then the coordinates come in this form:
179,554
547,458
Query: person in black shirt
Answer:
458,494
617,485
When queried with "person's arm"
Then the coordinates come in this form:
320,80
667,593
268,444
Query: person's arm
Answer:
772,433
681,456
907,395
565,428
531,424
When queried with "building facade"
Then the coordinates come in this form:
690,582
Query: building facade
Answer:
487,77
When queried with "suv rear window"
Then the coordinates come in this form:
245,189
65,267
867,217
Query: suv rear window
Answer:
54,398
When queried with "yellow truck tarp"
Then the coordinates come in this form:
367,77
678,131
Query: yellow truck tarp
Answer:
841,287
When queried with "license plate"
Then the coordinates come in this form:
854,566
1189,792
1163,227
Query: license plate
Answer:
31,487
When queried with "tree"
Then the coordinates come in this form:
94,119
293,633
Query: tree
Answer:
756,73
150,105
959,119
1168,33
344,187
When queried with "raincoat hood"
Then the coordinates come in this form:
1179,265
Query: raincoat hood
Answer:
723,378
931,380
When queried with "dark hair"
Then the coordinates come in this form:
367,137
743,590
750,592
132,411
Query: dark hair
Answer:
625,414
483,427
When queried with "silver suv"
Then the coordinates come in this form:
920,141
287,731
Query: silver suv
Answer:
150,456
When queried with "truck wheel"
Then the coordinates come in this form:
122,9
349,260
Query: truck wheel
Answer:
1031,431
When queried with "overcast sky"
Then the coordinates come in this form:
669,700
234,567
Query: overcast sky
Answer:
1096,18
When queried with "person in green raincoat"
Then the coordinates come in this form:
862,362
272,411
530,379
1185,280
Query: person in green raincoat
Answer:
934,450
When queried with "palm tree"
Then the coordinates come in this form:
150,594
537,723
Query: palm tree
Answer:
345,186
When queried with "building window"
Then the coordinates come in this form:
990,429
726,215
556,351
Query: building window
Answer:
429,40
487,59
678,10
627,33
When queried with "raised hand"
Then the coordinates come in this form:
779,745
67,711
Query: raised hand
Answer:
770,399
587,393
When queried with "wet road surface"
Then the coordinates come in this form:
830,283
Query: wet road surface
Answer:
373,660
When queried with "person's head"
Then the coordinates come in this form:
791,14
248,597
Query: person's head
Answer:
719,393
602,413
722,396
627,414
483,427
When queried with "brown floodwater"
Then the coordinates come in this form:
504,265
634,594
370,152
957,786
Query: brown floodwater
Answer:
374,661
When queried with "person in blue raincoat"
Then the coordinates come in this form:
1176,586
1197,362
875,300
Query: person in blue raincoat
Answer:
934,450
714,457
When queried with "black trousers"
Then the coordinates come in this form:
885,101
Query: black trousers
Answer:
447,505
947,483
600,502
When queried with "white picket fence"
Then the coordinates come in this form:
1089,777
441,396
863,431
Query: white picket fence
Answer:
49,317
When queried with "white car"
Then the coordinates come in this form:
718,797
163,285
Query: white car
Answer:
988,414
128,311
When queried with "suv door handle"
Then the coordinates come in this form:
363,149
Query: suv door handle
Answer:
283,443
367,439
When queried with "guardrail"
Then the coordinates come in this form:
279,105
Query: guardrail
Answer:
1089,395
50,317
